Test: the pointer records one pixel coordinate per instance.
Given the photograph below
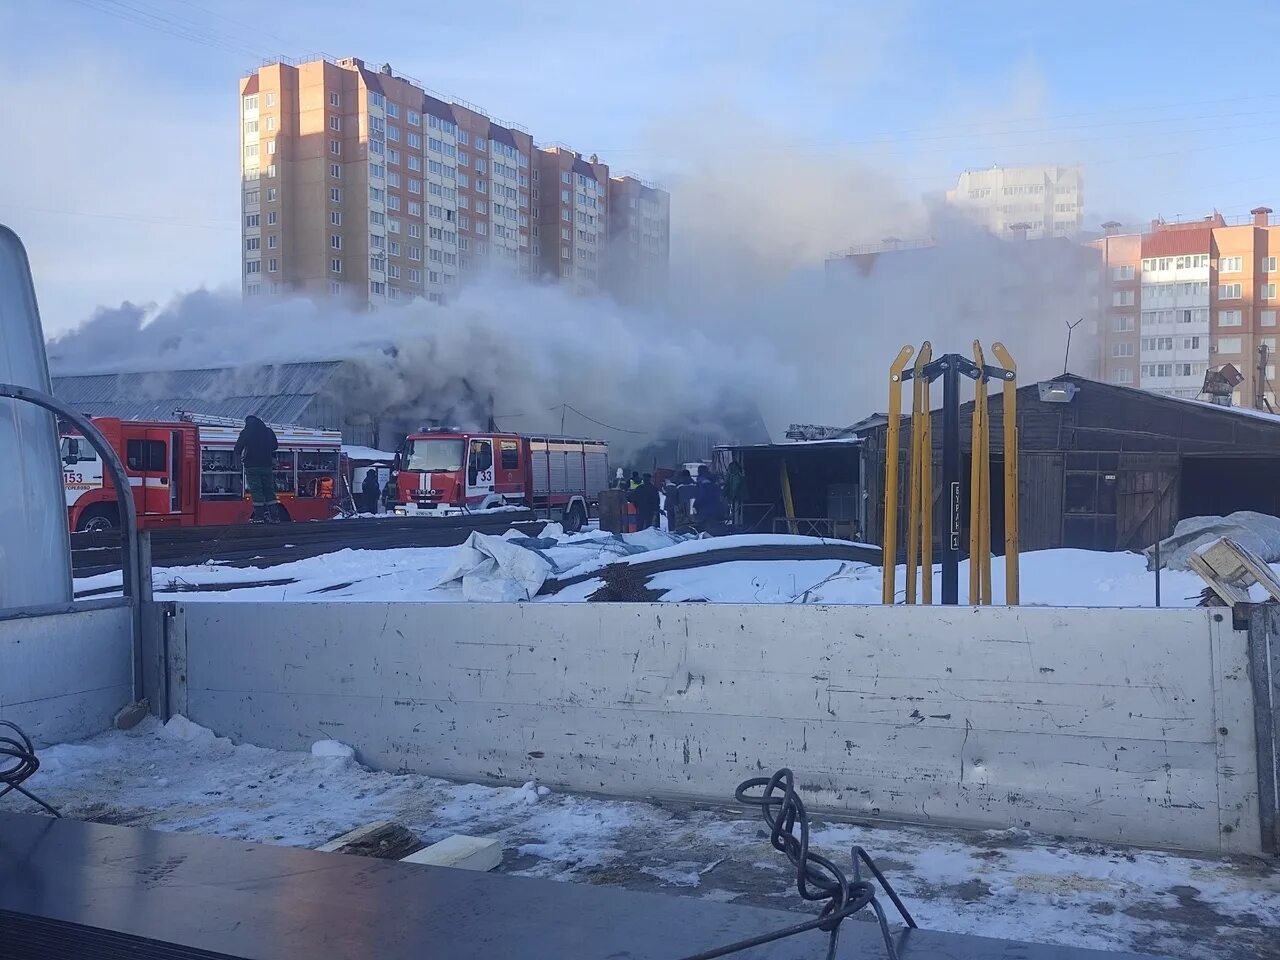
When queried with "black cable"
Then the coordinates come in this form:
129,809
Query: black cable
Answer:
18,761
817,878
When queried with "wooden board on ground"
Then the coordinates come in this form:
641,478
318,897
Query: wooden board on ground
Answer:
382,840
1231,569
461,852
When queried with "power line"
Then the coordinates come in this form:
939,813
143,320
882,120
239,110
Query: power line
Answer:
158,221
598,423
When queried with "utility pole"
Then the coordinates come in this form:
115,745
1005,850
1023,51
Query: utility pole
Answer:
1260,391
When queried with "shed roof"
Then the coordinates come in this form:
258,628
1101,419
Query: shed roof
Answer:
278,393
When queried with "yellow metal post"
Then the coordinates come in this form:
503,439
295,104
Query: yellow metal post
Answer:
926,482
893,432
1011,584
787,502
977,454
918,459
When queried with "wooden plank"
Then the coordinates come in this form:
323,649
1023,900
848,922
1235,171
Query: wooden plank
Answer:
460,852
381,839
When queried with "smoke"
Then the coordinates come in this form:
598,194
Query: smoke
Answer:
752,317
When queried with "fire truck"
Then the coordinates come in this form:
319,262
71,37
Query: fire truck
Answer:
452,471
184,474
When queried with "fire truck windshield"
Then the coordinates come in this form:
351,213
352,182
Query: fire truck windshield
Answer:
435,456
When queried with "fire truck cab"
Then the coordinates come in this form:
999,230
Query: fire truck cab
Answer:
184,474
450,471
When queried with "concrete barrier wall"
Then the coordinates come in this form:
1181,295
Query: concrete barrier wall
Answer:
63,676
1115,725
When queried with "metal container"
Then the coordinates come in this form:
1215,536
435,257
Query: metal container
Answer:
35,550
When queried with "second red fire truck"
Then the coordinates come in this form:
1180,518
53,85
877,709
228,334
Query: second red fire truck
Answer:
448,470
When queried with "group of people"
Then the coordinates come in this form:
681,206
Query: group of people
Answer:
688,503
373,493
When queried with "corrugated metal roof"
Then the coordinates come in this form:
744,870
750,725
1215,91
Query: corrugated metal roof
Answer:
278,393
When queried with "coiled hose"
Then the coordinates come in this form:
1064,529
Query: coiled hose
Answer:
18,761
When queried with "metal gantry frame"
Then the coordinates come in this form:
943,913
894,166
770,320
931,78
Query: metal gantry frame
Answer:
919,498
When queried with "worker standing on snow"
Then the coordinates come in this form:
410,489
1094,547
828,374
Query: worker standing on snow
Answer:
645,498
372,491
680,501
390,493
256,449
708,503
635,480
735,485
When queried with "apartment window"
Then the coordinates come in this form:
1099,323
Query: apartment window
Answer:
464,201
1230,318
251,126
252,196
335,147
335,288
415,119
1230,264
415,253
464,180
273,265
564,253
451,259
250,150
271,170
1269,264
252,289
1267,318
271,194
393,248
1123,350
566,269
464,243
435,233
464,137
335,218
335,241
377,241
415,231
393,225
535,230
253,266
1267,291
393,109
251,220
482,228
377,100
1123,324
434,255
271,218
335,265
537,250
480,144
1122,375
482,206
253,243
481,165
271,147
377,265
414,140
393,155
393,202
1230,291
393,272
271,124
334,100
415,276
335,123
565,178
565,214
564,196
480,185
335,170
377,287
565,233
393,132
464,221
251,103
377,194
415,186
415,209
1229,344
393,180
273,242
415,162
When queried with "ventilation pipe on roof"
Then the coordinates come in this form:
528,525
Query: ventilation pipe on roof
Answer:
1111,228
1261,216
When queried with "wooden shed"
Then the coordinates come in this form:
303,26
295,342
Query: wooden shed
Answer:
1104,467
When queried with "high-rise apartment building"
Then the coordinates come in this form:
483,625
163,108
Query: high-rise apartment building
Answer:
1033,201
360,185
1185,298
639,238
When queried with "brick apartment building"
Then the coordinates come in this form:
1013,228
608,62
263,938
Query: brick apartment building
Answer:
1184,298
361,185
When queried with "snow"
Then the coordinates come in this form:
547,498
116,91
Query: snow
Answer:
356,452
179,776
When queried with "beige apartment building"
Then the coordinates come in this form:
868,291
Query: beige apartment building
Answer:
1036,201
1186,298
639,238
362,186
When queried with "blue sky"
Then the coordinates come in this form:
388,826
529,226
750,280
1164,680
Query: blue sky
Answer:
121,173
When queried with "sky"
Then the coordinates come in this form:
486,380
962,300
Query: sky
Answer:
119,165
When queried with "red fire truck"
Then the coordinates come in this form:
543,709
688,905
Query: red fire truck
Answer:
449,471
183,473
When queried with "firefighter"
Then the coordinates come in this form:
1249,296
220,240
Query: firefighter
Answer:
372,491
645,498
390,493
256,449
635,480
678,500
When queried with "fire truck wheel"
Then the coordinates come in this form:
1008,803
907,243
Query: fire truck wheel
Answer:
573,519
99,519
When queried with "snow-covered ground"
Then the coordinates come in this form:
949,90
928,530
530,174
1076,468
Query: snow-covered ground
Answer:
1007,884
1048,577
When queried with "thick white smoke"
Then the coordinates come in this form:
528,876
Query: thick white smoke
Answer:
752,315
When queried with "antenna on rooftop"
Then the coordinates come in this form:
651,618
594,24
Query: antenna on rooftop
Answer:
1066,357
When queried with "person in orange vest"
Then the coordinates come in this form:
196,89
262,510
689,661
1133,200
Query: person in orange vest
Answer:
324,488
